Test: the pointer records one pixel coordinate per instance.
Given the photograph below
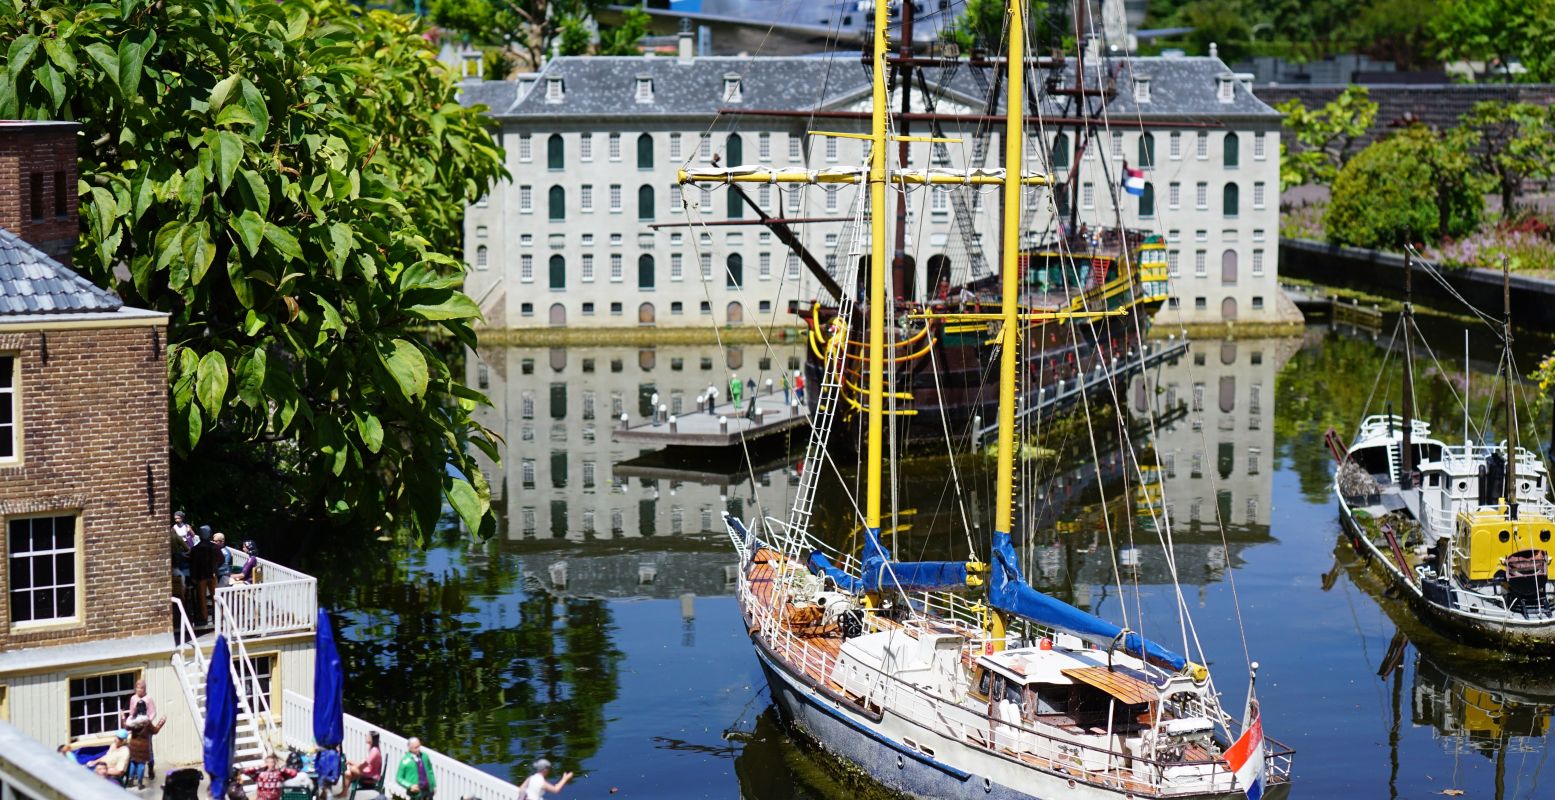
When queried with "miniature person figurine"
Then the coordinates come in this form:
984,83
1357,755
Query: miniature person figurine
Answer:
799,386
735,390
786,390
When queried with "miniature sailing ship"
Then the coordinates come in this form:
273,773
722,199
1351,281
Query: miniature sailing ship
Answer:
1462,531
955,679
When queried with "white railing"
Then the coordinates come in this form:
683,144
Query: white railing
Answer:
455,779
282,600
252,698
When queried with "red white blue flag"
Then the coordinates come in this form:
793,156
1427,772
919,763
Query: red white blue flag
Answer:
1245,758
1133,181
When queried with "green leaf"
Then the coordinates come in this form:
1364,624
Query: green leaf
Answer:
341,241
106,60
371,430
20,52
250,228
456,305
59,53
283,242
251,378
195,426
234,115
229,153
53,83
407,366
210,382
254,191
466,502
199,251
192,193
222,91
131,56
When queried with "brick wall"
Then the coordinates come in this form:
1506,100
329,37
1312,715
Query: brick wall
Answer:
41,155
1438,106
94,416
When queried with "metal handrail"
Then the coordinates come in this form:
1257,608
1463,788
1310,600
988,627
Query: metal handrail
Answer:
257,716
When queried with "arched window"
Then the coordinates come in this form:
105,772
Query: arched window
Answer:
1061,151
735,276
557,200
1228,308
558,357
939,276
555,153
645,151
558,272
480,257
645,317
735,313
734,204
1227,394
1230,200
734,150
1146,150
645,271
1147,201
558,314
1228,268
645,206
1233,152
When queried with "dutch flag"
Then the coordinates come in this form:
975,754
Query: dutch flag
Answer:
1245,758
1133,181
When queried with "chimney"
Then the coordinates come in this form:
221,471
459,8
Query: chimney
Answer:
38,184
1214,50
687,42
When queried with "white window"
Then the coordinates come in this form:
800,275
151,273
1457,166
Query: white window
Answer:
831,199
705,147
1174,263
616,239
526,147
586,198
588,474
10,410
795,148
1174,146
1200,261
732,92
764,196
1257,234
793,265
939,201
1258,194
1087,195
1141,90
764,268
526,240
831,241
794,199
615,267
526,268
526,199
1226,90
586,147
707,267
1201,196
1258,263
676,268
96,701
1174,194
1258,145
1202,145
480,231
554,90
764,146
831,148
644,90
41,572
1174,236
615,147
588,267
5,400
707,198
1201,235
674,147
615,198
587,240
1117,144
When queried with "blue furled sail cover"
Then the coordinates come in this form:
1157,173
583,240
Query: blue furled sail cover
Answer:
821,565
1008,591
907,576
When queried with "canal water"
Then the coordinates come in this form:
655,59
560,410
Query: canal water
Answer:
599,627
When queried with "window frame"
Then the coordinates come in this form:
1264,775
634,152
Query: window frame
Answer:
77,618
111,717
15,423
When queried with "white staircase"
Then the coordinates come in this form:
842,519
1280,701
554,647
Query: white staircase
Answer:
257,733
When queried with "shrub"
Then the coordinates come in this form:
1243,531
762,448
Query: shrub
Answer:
1409,186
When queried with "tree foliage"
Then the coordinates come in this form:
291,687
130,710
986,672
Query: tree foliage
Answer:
286,180
621,40
536,28
983,25
1516,142
1499,32
1302,30
1411,186
1325,137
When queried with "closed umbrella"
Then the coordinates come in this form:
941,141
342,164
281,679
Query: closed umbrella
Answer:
328,700
221,717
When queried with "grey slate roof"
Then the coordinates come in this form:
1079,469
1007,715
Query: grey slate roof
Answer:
32,283
605,86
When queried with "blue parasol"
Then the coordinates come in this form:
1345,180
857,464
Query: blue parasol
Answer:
221,717
328,700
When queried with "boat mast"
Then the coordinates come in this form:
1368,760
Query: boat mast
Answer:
1510,491
874,490
1009,271
1407,462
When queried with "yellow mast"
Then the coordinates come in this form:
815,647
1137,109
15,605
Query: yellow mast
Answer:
1009,271
874,488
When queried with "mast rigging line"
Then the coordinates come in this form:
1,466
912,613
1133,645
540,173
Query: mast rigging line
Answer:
928,116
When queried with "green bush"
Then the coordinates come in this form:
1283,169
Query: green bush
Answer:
1409,186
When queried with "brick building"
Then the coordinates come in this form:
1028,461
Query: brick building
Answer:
38,184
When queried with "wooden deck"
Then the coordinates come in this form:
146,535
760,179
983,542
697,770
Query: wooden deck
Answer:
723,427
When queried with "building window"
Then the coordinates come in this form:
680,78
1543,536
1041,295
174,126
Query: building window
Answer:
1147,202
586,198
734,203
1146,150
795,198
831,148
525,147
676,266
764,197
705,147
1258,146
1174,263
614,151
735,275
1226,90
1141,90
42,569
480,263
616,268
558,272
95,702
677,308
705,307
588,268
831,199
1230,200
764,266
792,265
645,271
1201,196
644,89
526,309
526,199
674,147
732,91
1257,302
645,202
764,146
1200,263
707,266
1258,263
1201,235
1174,146
1117,144
526,268
939,201
1257,234
556,202
676,199
615,198
1087,195
795,148
1232,157
1258,195
10,410
555,153
554,91
585,147
1174,194
1201,145
645,151
1200,304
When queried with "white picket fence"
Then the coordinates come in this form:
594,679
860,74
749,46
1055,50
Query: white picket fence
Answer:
282,601
455,779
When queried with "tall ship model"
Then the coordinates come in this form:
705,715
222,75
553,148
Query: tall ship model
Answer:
1463,532
957,679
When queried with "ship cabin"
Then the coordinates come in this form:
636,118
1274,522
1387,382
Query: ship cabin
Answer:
1070,689
1457,478
1499,545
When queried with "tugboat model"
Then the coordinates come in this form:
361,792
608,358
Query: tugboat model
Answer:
1463,532
957,679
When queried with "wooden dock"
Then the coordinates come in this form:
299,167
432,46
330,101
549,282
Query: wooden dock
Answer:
723,427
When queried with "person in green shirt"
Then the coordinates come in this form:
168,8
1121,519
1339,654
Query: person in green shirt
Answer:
415,772
735,389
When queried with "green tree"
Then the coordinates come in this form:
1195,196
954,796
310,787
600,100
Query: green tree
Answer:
1516,142
983,25
1410,186
621,40
1499,32
532,27
1325,137
286,180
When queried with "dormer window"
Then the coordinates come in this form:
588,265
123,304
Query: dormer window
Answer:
553,90
733,93
1141,90
644,89
1226,88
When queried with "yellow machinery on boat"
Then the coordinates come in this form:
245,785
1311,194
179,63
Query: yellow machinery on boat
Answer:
1488,536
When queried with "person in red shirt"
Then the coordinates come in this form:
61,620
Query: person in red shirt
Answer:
368,773
268,779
